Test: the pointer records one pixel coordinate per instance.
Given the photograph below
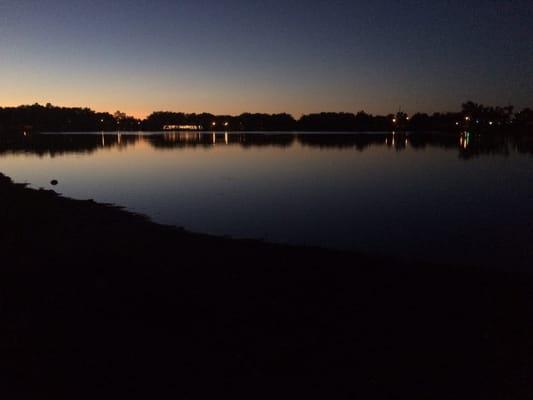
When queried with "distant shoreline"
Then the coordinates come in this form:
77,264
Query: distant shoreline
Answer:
475,117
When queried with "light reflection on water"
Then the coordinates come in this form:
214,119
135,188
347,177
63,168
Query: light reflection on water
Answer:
444,198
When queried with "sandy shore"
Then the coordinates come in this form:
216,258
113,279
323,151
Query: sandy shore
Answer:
96,299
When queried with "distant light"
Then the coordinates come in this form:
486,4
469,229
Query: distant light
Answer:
407,118
214,123
490,122
25,133
457,123
225,124
467,118
394,120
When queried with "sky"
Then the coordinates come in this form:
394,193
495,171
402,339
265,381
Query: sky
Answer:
229,57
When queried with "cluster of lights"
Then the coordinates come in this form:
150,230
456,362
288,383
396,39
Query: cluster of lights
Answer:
477,121
394,120
182,127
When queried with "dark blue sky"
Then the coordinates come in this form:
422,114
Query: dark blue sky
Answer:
266,56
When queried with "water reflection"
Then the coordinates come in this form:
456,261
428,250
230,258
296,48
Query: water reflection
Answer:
57,145
464,140
471,145
467,144
394,193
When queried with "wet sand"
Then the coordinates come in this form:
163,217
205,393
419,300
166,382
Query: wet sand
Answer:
94,299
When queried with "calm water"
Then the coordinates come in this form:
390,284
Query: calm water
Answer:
443,198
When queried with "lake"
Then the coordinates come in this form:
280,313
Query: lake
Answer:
461,199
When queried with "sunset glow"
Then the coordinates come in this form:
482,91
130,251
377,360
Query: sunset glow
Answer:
247,57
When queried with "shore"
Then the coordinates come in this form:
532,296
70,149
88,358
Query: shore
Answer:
97,299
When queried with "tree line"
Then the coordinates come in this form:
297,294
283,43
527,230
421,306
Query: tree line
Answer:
473,116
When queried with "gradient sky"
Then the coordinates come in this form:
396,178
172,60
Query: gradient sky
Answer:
266,56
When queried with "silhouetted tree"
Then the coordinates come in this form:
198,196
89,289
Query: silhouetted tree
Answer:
472,116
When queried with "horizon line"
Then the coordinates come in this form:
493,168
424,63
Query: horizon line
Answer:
295,116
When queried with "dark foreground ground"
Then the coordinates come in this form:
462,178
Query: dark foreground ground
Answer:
96,302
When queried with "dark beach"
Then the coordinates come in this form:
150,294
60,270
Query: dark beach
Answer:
95,299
